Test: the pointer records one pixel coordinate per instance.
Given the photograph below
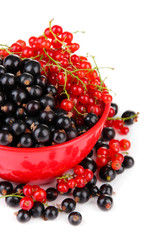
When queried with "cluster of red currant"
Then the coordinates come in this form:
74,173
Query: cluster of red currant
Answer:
74,76
79,179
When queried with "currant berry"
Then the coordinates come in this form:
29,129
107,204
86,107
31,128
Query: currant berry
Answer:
6,188
5,137
94,190
67,105
81,195
19,95
128,162
75,218
107,173
33,107
106,189
23,216
26,141
63,122
91,119
68,205
26,79
59,136
12,201
104,202
71,133
52,194
40,195
78,170
41,133
27,190
37,209
124,145
128,114
115,107
89,163
26,203
50,213
33,67
108,133
8,80
12,63
19,127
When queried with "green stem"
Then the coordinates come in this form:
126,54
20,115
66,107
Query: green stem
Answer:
127,118
11,195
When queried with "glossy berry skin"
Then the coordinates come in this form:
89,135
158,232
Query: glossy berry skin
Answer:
19,127
26,80
32,67
125,145
50,213
40,195
47,116
26,203
35,91
127,114
94,190
71,133
33,107
115,107
121,170
101,143
42,133
81,195
75,218
42,81
51,90
19,188
106,173
68,205
37,209
128,162
91,119
60,112
93,181
5,137
12,63
89,163
67,105
8,80
26,140
63,122
6,188
108,133
12,201
104,202
52,194
47,101
79,170
19,95
27,190
59,136
106,189
23,216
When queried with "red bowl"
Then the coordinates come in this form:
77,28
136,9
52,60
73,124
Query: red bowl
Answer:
41,165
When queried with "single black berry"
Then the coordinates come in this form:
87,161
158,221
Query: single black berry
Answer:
91,119
93,181
50,213
60,112
26,79
19,95
129,114
121,170
33,67
89,163
106,189
94,190
5,137
47,100
19,127
108,133
35,91
37,209
106,173
59,136
19,188
63,122
7,80
42,81
23,216
26,141
12,63
81,195
6,188
12,201
128,162
52,90
52,194
68,205
104,202
33,107
75,218
41,133
71,133
47,116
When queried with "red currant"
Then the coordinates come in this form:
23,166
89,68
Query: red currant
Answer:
27,190
40,195
67,105
67,37
26,203
62,187
78,170
124,145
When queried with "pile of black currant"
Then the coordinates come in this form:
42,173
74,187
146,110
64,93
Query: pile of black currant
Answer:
28,113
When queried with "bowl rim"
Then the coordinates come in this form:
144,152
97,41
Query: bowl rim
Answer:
57,146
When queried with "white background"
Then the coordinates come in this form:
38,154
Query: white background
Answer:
124,35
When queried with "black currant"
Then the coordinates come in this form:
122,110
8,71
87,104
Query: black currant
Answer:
59,136
8,80
129,114
35,91
47,100
108,133
33,67
52,90
19,127
93,181
12,201
75,218
12,63
37,209
42,81
19,95
52,194
25,141
32,120
33,107
5,137
104,202
121,170
19,188
101,143
60,112
128,162
26,79
106,173
81,129
71,133
106,189
89,163
91,119
94,190
50,213
6,188
68,205
2,70
81,195
47,116
41,133
23,216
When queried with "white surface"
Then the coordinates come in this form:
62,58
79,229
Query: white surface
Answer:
124,35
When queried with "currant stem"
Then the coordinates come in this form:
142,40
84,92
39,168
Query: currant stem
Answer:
127,118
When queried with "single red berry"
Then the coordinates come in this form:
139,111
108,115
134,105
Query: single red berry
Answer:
16,48
71,183
57,30
82,58
46,44
111,113
94,84
109,123
38,41
119,157
74,99
93,108
54,69
21,42
97,94
62,187
83,99
101,160
73,47
81,74
81,108
56,43
80,181
118,124
61,78
85,65
88,175
76,90
75,59
124,130
116,165
26,203
102,151
27,190
67,105
67,37
40,195
32,40
124,145
27,52
78,170
115,147
107,98
48,33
